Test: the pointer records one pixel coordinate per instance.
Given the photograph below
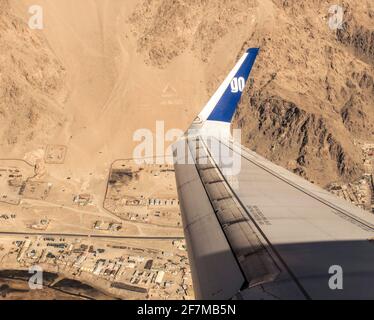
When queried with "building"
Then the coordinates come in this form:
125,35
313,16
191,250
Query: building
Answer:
160,277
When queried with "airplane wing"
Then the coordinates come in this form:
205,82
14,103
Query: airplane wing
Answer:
257,231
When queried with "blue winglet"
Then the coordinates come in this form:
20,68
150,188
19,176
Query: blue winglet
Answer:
226,106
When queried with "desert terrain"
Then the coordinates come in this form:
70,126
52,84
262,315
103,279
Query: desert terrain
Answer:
73,94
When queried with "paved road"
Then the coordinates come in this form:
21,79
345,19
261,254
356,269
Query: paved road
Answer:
86,235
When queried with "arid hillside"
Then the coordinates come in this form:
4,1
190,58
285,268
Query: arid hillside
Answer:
103,69
313,92
32,85
313,89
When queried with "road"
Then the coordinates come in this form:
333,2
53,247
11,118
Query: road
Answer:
86,235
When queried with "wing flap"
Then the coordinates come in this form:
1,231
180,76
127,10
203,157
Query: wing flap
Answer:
215,272
251,255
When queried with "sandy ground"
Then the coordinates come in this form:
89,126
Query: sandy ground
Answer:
112,92
115,83
102,69
130,63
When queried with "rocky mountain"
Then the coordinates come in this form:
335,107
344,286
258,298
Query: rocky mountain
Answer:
314,95
313,90
309,107
31,84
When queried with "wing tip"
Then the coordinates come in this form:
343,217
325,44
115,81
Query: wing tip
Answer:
254,50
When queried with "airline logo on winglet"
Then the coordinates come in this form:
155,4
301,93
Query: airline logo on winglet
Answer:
228,95
237,85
